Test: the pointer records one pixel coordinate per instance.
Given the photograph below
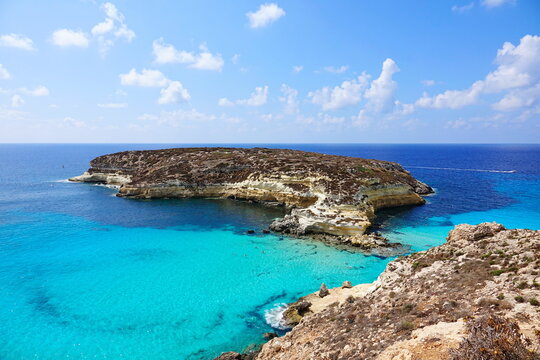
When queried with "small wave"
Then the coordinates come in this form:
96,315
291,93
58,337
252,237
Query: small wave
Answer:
65,181
458,169
274,316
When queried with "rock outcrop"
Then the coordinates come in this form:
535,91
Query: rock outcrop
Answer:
475,297
327,194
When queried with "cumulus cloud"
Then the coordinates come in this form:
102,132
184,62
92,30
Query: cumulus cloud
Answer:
297,68
37,91
111,29
517,78
225,102
346,94
428,82
265,15
496,3
257,98
380,95
17,41
289,99
204,60
4,74
17,101
174,93
113,105
171,92
67,37
463,8
146,78
336,70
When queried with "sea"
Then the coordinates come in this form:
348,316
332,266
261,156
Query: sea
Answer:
87,275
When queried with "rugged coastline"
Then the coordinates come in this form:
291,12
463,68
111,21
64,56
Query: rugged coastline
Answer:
475,297
328,195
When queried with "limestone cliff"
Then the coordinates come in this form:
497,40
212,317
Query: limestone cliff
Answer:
476,297
327,194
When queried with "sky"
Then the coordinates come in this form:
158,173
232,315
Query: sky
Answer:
290,71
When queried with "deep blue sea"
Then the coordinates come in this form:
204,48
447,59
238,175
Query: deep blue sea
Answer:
87,275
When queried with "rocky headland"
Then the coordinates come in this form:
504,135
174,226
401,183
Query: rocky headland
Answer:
476,297
335,196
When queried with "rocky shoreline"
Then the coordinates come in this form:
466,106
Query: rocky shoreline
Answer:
326,195
475,297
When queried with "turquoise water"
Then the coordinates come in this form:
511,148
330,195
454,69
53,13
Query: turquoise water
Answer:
86,275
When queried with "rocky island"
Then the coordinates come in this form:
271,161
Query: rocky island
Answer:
476,297
326,194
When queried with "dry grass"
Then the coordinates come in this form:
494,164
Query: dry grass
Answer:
494,338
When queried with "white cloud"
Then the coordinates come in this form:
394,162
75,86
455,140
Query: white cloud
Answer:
380,95
69,121
496,3
519,98
257,98
348,93
225,102
428,82
178,117
457,124
235,59
67,37
290,100
113,105
37,91
4,74
17,41
297,68
174,93
17,101
328,119
146,78
171,92
111,29
204,60
516,76
336,70
166,53
463,8
267,14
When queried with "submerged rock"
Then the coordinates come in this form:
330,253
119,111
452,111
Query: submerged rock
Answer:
327,194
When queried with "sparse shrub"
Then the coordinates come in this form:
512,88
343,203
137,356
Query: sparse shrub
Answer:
497,272
522,285
500,296
408,307
519,299
534,302
418,265
494,338
405,325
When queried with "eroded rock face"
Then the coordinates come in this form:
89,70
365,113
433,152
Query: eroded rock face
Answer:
328,194
424,306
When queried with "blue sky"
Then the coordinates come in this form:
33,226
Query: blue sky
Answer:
253,71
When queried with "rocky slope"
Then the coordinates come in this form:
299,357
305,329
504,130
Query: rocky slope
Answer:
328,194
475,297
